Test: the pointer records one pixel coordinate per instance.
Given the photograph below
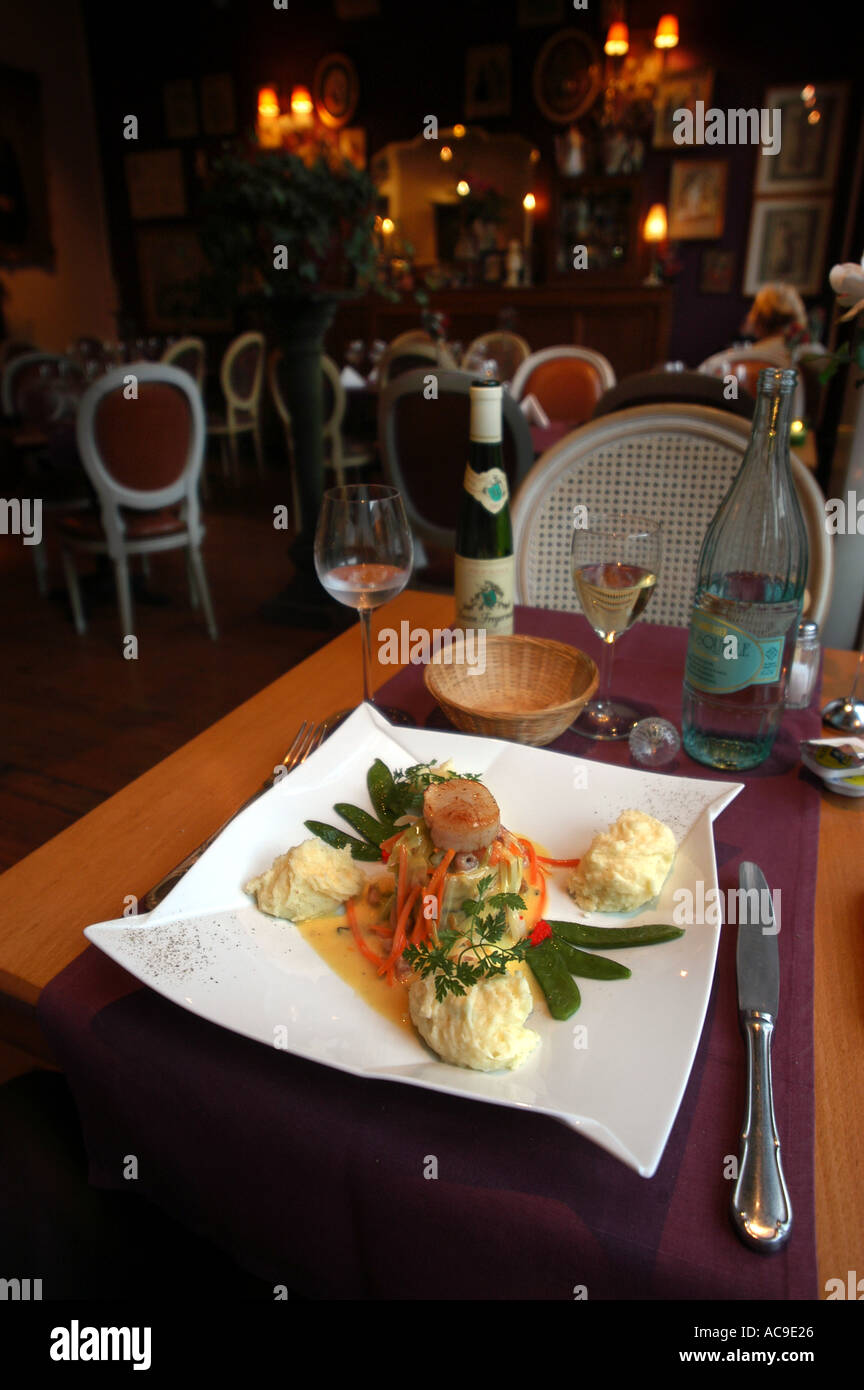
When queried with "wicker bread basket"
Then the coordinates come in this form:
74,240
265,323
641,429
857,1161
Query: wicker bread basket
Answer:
531,690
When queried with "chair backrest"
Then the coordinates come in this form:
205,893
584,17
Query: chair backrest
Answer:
191,355
424,448
14,347
274,367
675,463
501,346
20,373
242,371
684,388
745,364
396,360
567,381
334,398
144,453
413,335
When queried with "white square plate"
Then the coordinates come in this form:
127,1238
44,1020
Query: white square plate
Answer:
616,1071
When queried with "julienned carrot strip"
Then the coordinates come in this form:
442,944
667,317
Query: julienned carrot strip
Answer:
399,940
441,869
532,856
351,914
381,930
559,863
388,844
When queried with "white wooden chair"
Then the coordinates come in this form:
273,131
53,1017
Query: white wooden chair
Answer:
507,349
342,453
143,457
191,355
241,375
567,381
20,369
746,363
410,338
409,353
671,462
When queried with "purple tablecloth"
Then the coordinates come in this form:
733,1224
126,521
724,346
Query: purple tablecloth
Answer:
321,1181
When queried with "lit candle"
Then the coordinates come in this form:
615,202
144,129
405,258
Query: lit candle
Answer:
529,203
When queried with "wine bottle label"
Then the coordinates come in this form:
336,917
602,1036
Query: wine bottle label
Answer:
489,489
484,593
722,657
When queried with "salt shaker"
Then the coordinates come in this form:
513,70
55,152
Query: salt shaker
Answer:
801,680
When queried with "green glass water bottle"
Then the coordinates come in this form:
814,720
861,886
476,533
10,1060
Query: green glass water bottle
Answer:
749,590
485,565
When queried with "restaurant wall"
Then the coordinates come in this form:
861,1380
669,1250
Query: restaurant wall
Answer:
52,307
411,62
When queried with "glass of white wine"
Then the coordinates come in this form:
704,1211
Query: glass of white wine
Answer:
363,556
615,559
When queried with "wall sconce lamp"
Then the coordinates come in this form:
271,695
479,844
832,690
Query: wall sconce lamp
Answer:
667,31
655,232
617,40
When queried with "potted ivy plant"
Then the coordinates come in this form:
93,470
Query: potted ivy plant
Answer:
288,234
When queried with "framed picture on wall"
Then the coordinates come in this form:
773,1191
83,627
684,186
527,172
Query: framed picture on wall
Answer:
811,129
675,92
697,199
487,81
336,89
154,179
568,75
718,272
170,261
180,106
218,112
787,242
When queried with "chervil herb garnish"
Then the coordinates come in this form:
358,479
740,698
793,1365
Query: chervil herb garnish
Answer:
409,784
460,959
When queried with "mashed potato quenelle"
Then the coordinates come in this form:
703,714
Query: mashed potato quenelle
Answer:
626,865
311,880
483,1029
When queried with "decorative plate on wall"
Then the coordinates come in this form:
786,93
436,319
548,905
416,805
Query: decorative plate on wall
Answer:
336,90
567,76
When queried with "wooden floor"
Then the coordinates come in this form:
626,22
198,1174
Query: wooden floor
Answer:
78,721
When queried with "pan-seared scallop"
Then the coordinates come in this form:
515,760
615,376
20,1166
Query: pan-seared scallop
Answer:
461,815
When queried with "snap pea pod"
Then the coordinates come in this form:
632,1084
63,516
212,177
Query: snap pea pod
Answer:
366,825
379,781
592,967
581,934
338,839
554,978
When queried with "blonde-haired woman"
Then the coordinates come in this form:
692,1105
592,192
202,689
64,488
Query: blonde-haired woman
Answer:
778,321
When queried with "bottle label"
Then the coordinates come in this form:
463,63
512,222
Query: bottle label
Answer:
484,593
489,489
724,657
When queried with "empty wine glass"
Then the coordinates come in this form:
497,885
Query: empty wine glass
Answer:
615,560
363,557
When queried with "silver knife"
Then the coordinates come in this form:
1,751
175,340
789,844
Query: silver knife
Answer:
761,1212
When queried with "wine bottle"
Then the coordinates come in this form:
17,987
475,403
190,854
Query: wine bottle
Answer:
485,566
749,590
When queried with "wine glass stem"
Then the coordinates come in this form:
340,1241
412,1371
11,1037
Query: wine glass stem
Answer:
604,683
366,640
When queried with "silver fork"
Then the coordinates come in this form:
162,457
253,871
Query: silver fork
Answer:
305,741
